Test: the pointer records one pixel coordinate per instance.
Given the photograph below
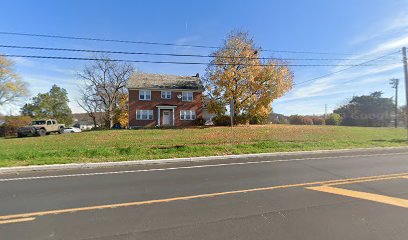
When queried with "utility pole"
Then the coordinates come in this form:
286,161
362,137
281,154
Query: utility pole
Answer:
404,59
394,84
325,110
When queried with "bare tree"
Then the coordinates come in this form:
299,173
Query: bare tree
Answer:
91,105
104,82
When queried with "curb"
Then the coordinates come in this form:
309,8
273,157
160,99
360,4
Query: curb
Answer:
74,166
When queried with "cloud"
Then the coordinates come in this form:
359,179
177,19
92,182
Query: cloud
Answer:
10,109
393,44
337,83
396,25
27,63
189,40
21,61
46,81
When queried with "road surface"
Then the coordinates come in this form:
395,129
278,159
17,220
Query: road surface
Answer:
332,195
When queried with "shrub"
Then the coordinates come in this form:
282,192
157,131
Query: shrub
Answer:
222,120
334,119
307,121
13,123
225,120
318,121
240,119
199,121
296,120
300,120
258,120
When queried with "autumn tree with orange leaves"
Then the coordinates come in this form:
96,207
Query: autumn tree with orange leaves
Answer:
237,72
122,114
11,86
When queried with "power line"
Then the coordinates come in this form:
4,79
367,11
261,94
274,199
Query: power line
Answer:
345,69
180,63
157,43
170,54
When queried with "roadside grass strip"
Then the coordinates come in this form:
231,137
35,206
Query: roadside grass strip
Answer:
128,145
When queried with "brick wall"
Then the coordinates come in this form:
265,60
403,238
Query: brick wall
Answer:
156,100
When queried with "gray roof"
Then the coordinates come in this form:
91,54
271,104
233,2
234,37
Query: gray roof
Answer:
164,81
85,119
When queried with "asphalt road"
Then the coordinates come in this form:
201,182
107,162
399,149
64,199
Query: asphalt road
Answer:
346,195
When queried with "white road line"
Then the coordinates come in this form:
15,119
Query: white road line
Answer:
198,166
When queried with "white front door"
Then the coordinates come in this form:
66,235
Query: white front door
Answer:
166,118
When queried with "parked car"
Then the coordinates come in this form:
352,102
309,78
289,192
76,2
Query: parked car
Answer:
41,128
72,130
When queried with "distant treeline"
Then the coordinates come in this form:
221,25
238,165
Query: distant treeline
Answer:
371,110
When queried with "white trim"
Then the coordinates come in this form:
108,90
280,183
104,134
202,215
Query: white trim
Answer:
187,92
147,113
158,117
159,108
190,113
144,95
166,107
166,92
173,115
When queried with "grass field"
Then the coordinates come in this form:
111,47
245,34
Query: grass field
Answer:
118,145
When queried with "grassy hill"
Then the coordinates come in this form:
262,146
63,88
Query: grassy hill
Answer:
119,145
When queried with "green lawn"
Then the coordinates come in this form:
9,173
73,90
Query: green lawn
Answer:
119,145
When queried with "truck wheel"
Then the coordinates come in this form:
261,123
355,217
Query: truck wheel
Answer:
42,132
61,130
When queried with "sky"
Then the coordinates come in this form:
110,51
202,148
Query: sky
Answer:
354,30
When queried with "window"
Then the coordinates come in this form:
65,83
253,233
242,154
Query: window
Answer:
145,95
49,122
187,115
187,96
38,122
144,114
166,94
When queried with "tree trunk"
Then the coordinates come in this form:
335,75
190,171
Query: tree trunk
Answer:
94,121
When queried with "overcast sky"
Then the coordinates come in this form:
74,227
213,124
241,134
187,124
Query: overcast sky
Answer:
356,30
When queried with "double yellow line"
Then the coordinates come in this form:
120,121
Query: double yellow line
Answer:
22,217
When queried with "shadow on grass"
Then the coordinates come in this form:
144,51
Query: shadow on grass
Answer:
391,140
10,137
171,147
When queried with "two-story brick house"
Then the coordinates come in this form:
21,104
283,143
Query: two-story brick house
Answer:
164,100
